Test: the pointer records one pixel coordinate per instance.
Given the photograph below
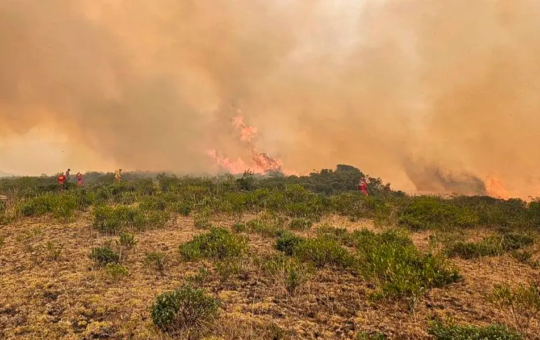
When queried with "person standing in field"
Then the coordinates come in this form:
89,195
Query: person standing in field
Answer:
118,175
68,175
61,181
79,177
362,186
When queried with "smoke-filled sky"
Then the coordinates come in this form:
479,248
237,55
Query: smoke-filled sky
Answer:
423,93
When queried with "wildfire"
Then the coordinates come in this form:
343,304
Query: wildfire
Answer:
261,162
495,188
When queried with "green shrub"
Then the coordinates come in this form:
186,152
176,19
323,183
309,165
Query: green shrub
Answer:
155,259
522,256
219,243
301,224
37,206
128,240
184,308
200,277
202,223
323,251
294,279
239,228
370,336
496,213
230,266
489,246
153,203
401,270
280,265
521,303
116,270
339,234
441,331
183,208
433,213
515,241
525,257
115,219
104,255
288,242
60,205
112,219
263,228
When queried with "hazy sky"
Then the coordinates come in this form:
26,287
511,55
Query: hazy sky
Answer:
424,93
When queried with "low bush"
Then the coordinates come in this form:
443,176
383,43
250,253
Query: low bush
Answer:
370,336
441,331
200,277
112,220
156,260
401,270
184,309
515,241
219,243
322,251
490,246
301,224
264,228
128,240
60,205
522,303
525,257
229,267
295,277
182,208
239,228
151,203
116,271
202,223
434,213
339,234
288,242
104,255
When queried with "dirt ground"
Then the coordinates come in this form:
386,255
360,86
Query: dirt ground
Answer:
70,298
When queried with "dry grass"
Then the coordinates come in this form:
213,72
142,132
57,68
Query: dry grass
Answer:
68,297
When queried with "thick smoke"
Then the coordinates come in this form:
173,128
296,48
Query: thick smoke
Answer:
385,85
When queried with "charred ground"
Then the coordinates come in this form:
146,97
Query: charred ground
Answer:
273,257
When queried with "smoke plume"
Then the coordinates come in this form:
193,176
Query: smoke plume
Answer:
393,87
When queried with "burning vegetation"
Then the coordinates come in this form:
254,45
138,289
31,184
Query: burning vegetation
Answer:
259,162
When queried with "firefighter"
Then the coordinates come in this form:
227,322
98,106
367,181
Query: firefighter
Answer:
61,181
79,177
118,175
362,186
68,176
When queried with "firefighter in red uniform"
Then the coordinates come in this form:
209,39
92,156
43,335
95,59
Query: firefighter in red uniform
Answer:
61,181
362,186
79,177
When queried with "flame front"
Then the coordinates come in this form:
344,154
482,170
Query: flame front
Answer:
495,188
261,162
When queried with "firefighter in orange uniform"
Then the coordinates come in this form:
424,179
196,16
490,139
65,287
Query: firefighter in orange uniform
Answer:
79,177
61,181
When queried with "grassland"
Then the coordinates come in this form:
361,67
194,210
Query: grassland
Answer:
263,258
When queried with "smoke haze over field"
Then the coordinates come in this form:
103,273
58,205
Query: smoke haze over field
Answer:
427,94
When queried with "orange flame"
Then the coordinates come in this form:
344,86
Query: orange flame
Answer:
247,133
495,188
261,162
